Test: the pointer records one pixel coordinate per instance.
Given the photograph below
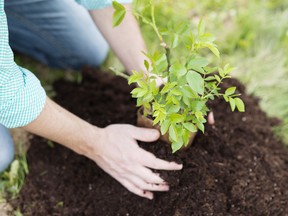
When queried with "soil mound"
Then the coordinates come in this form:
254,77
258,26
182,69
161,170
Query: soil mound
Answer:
237,167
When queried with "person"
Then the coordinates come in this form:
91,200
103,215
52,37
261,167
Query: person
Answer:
71,34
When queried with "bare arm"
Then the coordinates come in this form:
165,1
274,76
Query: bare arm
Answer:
125,40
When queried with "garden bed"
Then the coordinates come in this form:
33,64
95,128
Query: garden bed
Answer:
237,167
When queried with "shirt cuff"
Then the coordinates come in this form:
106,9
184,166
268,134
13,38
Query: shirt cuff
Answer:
27,102
94,4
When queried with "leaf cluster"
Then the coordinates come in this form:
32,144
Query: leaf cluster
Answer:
179,106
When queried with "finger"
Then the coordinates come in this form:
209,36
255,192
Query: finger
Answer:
144,134
148,176
136,190
211,119
140,183
149,160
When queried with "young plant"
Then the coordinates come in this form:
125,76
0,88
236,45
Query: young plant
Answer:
189,80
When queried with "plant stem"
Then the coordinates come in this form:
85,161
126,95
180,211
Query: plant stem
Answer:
154,26
167,49
154,23
206,96
119,73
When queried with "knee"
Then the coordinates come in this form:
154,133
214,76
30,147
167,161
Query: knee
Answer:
6,158
6,148
92,55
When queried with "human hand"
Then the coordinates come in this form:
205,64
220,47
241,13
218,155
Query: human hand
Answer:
118,154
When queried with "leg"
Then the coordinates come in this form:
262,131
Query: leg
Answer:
59,33
6,148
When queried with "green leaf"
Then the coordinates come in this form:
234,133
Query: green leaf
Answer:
195,81
230,91
207,37
217,78
160,67
175,41
146,63
182,28
176,118
189,41
186,136
176,92
156,120
142,92
186,101
199,115
118,14
139,102
177,145
153,87
178,69
190,126
148,97
228,69
164,127
173,108
200,125
210,78
213,49
172,133
187,92
225,98
167,87
221,72
232,103
175,100
240,104
197,63
135,77
138,92
201,28
197,105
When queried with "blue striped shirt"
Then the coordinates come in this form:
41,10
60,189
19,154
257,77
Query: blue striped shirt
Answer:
22,97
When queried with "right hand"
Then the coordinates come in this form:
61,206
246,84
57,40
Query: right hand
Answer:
118,154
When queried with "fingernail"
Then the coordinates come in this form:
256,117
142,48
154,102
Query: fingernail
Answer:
179,165
156,133
148,196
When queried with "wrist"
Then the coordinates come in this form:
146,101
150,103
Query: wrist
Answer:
93,140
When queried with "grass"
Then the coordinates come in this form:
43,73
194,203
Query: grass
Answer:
251,34
12,180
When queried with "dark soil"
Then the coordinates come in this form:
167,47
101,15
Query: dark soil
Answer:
237,167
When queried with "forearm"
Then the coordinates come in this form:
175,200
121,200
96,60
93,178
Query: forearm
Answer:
57,124
125,40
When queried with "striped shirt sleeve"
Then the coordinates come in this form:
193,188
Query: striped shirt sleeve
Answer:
22,97
98,4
